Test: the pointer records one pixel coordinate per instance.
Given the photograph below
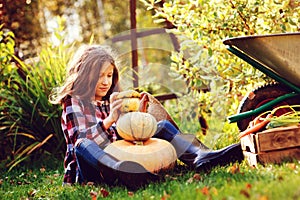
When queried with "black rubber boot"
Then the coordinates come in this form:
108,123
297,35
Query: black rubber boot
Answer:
128,173
203,159
194,153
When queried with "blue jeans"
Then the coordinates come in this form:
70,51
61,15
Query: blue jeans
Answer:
88,153
166,130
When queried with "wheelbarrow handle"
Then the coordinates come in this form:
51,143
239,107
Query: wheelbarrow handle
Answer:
261,109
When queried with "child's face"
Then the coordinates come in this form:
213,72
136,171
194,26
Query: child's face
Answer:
105,81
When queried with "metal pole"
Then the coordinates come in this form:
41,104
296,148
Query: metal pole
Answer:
102,17
134,53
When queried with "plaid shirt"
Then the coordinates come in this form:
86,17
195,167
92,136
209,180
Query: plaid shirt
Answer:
83,119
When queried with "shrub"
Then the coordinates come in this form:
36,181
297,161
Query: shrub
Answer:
30,125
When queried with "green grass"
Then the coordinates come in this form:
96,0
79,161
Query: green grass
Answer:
44,181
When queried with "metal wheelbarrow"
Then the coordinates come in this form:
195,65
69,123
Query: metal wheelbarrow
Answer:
277,56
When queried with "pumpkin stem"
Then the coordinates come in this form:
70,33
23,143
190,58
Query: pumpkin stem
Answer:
140,143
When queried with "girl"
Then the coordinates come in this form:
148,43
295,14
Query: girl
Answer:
90,110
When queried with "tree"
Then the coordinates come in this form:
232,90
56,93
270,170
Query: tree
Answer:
22,18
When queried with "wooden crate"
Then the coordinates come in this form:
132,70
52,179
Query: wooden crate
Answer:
272,146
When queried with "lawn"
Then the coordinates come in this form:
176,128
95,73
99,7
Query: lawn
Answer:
43,180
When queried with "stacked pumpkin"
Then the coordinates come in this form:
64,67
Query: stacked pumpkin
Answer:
137,129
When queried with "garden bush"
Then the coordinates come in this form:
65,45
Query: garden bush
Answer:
30,125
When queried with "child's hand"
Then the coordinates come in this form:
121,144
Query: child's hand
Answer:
115,105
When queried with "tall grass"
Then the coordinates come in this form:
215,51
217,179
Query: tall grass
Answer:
30,125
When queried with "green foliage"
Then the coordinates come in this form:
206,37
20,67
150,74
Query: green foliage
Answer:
30,125
6,51
204,62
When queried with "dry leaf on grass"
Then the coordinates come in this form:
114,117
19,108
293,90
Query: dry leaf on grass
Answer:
205,191
245,193
104,192
93,195
130,194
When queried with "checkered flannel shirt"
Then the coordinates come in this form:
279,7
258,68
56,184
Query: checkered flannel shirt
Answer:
83,119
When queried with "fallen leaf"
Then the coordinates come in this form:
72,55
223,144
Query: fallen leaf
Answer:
190,180
197,177
42,169
93,195
248,186
205,190
234,169
104,192
130,193
31,193
245,193
90,183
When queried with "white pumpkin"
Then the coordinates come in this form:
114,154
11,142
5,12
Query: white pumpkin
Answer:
136,126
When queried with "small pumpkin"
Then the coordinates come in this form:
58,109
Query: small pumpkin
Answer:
128,94
131,101
136,126
156,155
130,105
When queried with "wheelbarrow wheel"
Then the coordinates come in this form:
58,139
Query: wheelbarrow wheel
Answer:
261,96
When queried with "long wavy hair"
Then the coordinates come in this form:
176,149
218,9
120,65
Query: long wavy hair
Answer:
83,73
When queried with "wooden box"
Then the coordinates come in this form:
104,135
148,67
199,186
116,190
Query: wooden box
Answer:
272,146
